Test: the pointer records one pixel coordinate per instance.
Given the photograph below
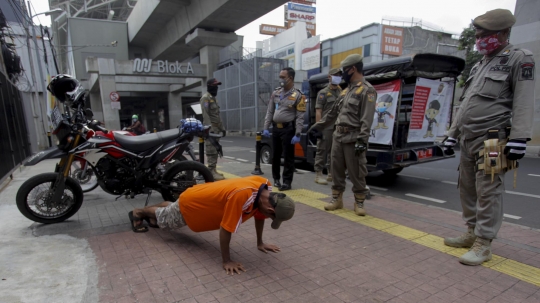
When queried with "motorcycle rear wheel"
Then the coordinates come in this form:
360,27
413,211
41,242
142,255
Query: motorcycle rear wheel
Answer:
184,175
32,199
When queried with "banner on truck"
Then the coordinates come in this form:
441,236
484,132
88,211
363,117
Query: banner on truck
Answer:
430,114
385,112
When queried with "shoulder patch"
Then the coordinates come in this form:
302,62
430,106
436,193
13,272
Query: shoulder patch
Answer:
526,71
321,97
206,103
301,107
371,97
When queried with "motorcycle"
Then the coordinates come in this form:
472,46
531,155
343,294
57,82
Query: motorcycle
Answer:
123,165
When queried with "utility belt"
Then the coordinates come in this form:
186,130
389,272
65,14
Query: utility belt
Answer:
283,124
495,160
345,129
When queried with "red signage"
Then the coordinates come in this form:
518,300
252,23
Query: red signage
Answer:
114,96
421,95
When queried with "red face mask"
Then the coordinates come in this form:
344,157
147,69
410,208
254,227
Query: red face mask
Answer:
486,45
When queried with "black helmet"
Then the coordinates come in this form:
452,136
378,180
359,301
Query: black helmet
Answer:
65,88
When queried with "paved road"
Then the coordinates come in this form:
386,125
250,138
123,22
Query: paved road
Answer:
433,183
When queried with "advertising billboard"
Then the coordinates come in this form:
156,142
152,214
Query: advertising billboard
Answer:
301,8
392,40
301,16
311,53
267,29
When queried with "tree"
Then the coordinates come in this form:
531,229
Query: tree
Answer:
467,41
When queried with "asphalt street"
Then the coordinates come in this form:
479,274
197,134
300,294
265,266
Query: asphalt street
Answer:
432,183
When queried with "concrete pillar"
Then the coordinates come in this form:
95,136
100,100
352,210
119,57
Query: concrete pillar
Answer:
175,109
525,35
209,55
96,106
107,85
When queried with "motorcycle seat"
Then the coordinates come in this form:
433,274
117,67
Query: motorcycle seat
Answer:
145,142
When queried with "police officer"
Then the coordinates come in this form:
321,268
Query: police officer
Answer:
286,114
325,100
498,103
353,115
210,109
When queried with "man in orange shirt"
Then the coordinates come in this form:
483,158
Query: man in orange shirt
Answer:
222,205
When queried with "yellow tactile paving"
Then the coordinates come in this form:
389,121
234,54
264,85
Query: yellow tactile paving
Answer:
512,268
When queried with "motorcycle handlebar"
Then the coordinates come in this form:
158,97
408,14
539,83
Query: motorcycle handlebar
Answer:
95,126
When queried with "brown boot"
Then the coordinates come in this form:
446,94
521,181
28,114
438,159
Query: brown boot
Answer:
359,204
465,240
217,176
337,201
319,178
329,177
479,253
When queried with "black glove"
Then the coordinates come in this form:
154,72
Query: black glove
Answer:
359,147
449,144
223,133
315,134
515,149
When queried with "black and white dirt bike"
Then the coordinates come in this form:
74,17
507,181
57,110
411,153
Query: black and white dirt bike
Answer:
123,165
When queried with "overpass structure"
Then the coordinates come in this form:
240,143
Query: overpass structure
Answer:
182,31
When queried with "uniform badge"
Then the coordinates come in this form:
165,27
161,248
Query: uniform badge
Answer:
526,71
344,92
293,95
301,107
506,52
321,97
371,97
329,94
504,61
206,103
359,90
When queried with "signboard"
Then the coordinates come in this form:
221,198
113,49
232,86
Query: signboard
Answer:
145,66
300,16
305,2
267,29
301,8
430,115
114,96
311,53
311,28
392,40
385,112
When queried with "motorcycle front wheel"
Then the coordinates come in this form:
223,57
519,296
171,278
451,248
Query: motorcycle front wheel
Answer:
89,182
183,175
33,199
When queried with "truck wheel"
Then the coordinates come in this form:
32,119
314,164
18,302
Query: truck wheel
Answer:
266,154
392,171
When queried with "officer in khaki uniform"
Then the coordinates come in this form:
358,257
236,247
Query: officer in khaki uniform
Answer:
325,100
353,115
210,109
285,113
498,106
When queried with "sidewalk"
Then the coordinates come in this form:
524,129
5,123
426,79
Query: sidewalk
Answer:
393,255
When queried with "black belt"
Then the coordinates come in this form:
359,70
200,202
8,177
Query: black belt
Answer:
282,124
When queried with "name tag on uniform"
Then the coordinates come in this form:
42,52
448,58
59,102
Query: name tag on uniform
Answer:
277,105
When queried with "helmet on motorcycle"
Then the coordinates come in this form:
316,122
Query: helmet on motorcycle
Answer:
190,125
65,88
134,117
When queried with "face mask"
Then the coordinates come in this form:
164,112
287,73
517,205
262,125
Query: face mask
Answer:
134,120
381,109
487,45
283,82
212,90
346,77
336,80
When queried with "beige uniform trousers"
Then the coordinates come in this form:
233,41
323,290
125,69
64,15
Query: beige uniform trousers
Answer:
481,200
211,153
324,148
344,158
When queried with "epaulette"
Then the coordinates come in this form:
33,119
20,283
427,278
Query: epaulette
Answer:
526,52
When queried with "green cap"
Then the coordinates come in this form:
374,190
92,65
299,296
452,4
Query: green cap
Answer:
495,20
284,209
334,71
134,117
351,60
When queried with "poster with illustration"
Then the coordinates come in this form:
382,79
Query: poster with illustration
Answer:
385,112
430,115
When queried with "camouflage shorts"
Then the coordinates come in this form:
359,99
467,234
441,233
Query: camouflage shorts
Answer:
170,217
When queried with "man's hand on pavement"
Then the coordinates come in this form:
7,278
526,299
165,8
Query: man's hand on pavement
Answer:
266,133
231,267
265,248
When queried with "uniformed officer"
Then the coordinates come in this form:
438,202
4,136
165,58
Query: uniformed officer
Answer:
325,100
286,114
210,109
498,103
353,115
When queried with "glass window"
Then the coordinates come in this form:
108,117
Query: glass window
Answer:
367,50
325,61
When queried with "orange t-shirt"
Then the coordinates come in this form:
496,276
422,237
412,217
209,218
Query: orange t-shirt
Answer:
226,203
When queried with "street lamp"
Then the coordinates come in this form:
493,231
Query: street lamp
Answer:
48,13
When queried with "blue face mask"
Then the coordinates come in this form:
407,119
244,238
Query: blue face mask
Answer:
134,120
381,109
